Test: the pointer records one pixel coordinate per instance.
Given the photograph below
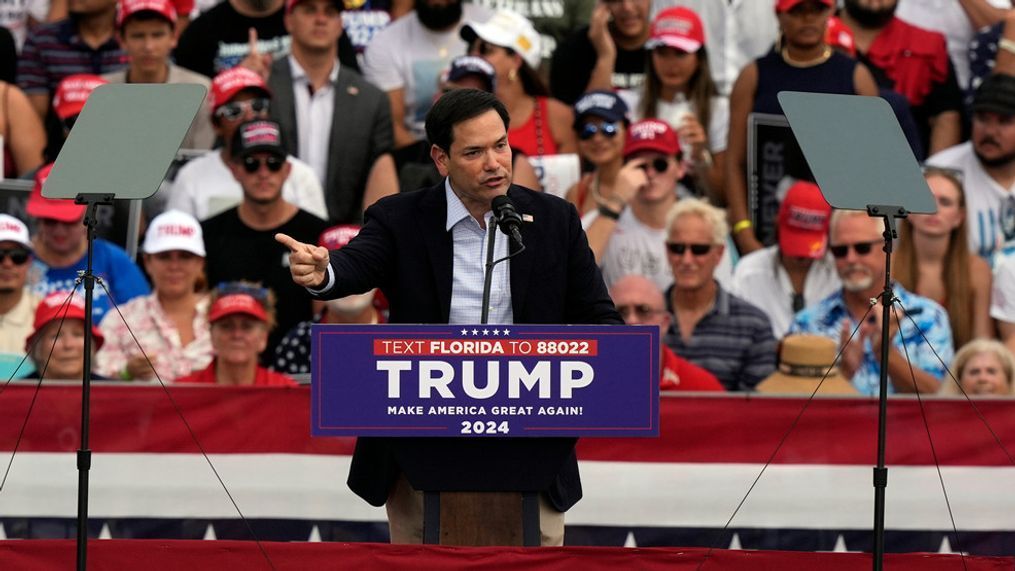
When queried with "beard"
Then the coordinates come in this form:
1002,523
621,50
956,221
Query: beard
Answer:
871,19
857,283
438,18
994,162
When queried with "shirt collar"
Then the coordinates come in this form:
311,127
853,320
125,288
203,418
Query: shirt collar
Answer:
456,209
300,74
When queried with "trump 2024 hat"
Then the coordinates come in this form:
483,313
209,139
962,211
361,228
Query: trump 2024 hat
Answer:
14,230
56,306
237,304
803,221
651,135
174,230
72,92
678,28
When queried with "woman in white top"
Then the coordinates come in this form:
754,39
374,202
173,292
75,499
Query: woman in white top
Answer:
679,89
171,323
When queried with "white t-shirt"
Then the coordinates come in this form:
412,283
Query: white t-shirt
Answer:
635,248
990,208
948,18
760,279
736,32
673,113
408,56
1002,298
205,187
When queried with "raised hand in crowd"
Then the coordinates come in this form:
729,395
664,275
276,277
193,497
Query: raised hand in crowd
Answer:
307,263
256,61
606,49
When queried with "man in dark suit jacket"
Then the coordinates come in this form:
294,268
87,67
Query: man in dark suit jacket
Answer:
351,155
408,248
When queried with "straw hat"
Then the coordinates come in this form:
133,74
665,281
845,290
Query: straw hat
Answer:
804,360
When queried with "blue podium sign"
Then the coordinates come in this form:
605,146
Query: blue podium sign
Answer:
485,380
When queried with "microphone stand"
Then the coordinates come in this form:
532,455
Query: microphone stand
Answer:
84,455
491,236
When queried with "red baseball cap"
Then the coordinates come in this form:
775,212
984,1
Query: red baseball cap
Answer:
678,28
227,84
787,5
651,135
237,303
55,306
803,221
838,35
72,92
127,8
62,209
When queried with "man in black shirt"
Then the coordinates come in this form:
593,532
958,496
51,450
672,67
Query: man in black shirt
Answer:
240,242
245,32
609,53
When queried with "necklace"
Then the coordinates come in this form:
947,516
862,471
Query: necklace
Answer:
827,53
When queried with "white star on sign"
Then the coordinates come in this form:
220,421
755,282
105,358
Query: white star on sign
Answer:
496,331
486,332
475,332
506,332
465,331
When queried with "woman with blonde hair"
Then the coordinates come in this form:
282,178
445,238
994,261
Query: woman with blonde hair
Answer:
932,259
982,367
240,317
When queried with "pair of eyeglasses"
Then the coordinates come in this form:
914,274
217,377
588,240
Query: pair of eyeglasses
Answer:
235,110
696,249
254,164
641,311
17,255
484,48
657,164
589,130
861,248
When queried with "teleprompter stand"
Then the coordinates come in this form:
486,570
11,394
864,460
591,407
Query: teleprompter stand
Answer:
861,161
121,146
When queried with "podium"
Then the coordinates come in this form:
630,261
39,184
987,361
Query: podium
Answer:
481,419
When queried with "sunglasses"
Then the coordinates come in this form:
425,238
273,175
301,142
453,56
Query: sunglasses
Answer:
589,130
861,248
696,249
254,164
17,255
657,164
484,48
641,311
235,110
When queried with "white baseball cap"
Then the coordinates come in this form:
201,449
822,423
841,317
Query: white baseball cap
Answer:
174,230
509,30
14,230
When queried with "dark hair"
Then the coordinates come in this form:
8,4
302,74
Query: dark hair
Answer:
456,106
701,89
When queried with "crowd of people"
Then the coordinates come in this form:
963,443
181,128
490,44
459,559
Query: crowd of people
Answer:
636,112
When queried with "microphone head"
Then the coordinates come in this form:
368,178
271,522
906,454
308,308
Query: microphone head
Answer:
500,202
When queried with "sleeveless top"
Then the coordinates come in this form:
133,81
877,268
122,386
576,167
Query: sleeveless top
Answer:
534,137
774,75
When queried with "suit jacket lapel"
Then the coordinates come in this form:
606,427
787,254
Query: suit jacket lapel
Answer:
521,265
284,104
345,105
432,222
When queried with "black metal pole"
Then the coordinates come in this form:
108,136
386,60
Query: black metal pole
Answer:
488,277
888,214
84,454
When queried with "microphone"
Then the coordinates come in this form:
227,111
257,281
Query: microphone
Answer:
508,219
